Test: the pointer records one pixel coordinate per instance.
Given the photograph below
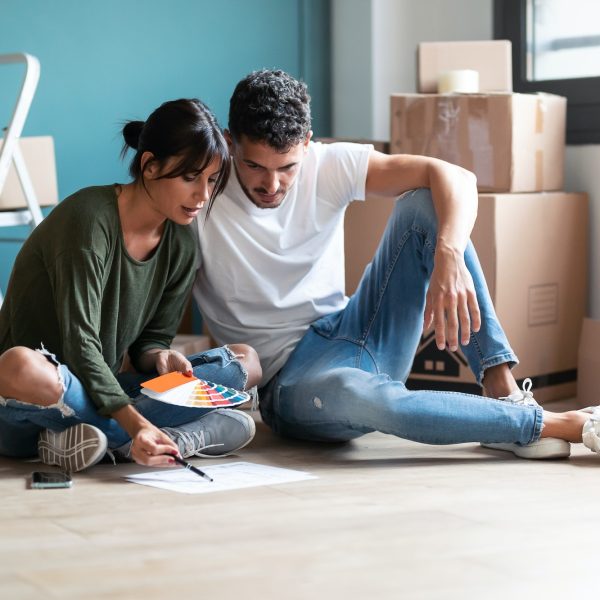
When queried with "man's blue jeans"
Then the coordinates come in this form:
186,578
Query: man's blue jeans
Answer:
21,423
346,376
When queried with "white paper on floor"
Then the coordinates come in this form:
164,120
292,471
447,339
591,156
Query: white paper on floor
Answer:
228,476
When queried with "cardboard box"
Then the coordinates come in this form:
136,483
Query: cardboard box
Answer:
38,154
492,59
533,251
512,142
588,367
378,145
363,227
191,344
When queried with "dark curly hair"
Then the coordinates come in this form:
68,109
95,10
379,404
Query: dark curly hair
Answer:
272,107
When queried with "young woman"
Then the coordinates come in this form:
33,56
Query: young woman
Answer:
109,271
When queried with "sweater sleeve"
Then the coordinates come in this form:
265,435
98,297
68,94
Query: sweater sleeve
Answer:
77,283
162,327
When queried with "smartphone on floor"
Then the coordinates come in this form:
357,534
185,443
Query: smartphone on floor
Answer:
41,480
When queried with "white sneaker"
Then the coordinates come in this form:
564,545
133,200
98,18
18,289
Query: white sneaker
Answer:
591,429
541,449
74,449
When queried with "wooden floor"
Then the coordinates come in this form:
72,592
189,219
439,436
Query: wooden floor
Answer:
386,519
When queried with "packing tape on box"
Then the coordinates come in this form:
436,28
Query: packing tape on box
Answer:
463,81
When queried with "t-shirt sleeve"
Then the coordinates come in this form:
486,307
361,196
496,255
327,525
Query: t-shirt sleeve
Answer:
343,168
77,283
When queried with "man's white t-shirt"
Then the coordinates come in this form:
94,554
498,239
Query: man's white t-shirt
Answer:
266,274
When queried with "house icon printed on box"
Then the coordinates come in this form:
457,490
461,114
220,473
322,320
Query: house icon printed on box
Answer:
430,360
439,369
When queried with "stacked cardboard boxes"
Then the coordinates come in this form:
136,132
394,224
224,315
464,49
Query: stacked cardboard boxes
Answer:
531,237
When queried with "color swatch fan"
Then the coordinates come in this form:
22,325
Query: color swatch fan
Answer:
179,389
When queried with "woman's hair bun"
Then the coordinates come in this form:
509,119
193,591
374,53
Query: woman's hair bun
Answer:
131,133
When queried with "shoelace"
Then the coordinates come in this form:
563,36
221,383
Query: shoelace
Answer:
523,396
193,441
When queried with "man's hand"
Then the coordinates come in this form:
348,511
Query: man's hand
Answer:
171,360
451,301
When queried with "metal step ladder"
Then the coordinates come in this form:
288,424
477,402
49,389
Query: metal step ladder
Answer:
10,153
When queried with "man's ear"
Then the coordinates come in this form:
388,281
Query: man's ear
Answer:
228,139
307,140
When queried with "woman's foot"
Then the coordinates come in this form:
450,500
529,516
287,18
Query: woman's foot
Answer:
74,449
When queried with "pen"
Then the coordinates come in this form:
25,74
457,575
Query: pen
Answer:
187,465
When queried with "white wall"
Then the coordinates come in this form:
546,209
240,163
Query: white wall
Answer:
351,57
374,54
582,173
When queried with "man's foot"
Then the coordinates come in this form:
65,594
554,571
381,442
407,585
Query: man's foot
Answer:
73,449
219,433
543,448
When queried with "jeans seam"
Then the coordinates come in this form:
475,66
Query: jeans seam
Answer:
494,361
386,279
538,424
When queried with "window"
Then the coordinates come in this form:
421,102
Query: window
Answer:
556,48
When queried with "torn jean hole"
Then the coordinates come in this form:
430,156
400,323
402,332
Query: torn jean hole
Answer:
235,357
65,411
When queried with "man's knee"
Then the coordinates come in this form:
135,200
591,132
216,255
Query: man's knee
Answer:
417,203
248,357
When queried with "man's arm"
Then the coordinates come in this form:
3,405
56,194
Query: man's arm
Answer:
451,298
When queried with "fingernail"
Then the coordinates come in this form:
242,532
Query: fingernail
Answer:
171,461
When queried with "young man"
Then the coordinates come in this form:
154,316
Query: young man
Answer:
272,276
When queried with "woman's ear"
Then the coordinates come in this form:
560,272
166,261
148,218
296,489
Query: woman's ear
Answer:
148,165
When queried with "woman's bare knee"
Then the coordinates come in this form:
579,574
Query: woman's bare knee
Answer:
28,376
248,357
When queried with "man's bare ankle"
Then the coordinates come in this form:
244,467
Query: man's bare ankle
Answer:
498,381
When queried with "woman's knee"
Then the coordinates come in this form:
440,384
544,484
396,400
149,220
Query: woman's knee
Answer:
248,358
23,371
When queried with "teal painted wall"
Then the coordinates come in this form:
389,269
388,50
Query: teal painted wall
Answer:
107,61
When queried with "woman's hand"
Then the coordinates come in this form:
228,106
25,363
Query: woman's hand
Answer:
451,300
149,446
171,360
148,443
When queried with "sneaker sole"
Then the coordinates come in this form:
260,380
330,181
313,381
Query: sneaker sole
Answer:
74,449
544,448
